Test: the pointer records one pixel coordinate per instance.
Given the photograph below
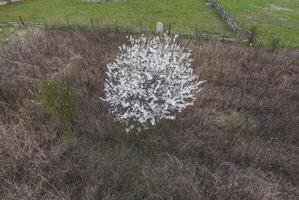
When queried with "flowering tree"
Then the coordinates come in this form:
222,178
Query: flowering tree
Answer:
150,79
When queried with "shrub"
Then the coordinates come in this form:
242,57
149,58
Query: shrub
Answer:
149,80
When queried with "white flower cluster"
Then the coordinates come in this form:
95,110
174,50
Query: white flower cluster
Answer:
150,79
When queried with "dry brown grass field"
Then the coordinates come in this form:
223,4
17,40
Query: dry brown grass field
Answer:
239,141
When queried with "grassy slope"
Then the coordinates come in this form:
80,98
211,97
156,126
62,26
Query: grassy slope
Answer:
273,18
183,14
238,141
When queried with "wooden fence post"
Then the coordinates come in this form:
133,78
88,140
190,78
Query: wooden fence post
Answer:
140,23
116,27
22,20
67,20
91,21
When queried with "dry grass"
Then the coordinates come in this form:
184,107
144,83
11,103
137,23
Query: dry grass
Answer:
240,140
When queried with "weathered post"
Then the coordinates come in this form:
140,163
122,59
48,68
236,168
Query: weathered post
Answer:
22,20
67,20
159,27
91,21
116,27
140,25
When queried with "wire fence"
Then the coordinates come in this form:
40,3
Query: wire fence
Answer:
116,27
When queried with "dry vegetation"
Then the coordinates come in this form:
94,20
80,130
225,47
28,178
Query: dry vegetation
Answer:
239,141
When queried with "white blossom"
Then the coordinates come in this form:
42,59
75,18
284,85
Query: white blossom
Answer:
150,80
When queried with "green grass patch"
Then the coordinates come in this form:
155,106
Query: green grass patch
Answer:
58,100
59,103
5,32
272,18
184,15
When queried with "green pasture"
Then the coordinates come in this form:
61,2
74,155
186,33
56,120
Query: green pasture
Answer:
184,15
274,19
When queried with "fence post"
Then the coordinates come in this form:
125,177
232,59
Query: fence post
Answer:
116,28
169,27
140,23
67,20
91,21
22,20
